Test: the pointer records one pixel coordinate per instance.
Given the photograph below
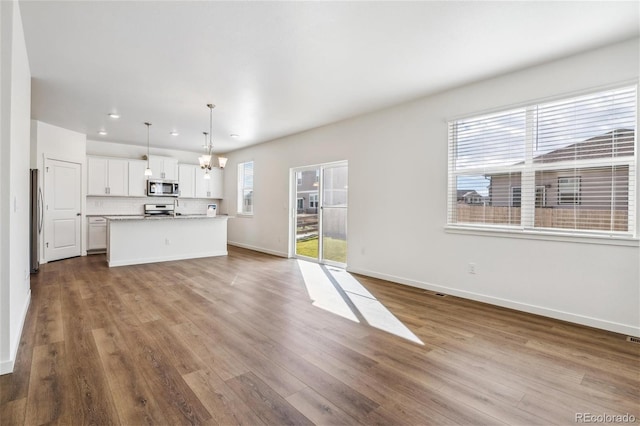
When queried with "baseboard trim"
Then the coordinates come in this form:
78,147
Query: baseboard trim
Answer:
260,249
6,367
506,303
140,261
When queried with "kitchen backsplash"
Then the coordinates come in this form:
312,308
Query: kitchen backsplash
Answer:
134,205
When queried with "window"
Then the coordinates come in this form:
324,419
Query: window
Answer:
563,165
516,196
313,201
245,188
568,190
300,204
541,196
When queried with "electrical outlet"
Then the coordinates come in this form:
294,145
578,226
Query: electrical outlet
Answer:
167,241
471,268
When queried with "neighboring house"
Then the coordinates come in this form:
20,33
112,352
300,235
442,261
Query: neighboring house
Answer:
568,188
307,184
466,196
307,191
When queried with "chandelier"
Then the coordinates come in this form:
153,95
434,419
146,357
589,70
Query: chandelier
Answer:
206,158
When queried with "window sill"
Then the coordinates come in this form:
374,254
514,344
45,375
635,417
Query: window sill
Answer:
244,215
605,239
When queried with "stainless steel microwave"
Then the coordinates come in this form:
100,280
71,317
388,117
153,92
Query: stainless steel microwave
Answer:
162,188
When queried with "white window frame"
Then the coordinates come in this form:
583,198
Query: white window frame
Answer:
528,171
240,208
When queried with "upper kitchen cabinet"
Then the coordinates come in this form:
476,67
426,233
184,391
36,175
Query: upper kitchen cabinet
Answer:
107,176
137,179
216,183
209,188
187,180
163,167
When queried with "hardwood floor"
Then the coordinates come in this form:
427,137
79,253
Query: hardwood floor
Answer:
236,340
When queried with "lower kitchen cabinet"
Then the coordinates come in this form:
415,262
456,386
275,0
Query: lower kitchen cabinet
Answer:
97,241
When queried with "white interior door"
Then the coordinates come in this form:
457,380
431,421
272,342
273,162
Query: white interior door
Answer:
63,216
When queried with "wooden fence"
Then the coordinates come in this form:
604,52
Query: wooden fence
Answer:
546,217
334,224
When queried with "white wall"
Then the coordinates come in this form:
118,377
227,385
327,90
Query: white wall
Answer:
114,149
53,142
16,105
398,194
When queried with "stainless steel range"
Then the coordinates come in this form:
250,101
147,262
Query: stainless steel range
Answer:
159,209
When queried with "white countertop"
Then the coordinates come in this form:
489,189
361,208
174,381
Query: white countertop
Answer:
161,217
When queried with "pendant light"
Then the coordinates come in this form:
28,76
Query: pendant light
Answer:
147,171
206,159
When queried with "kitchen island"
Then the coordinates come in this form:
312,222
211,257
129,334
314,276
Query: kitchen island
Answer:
133,240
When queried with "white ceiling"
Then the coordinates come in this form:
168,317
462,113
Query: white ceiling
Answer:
278,68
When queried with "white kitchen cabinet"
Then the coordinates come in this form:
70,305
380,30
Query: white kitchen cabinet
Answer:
107,176
137,179
163,167
216,183
97,234
209,188
187,180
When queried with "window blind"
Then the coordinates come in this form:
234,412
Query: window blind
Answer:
564,165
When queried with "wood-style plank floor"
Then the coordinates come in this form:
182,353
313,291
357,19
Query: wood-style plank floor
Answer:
236,340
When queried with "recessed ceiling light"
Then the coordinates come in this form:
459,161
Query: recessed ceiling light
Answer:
174,133
102,132
233,135
114,115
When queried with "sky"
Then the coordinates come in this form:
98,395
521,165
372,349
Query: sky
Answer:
499,140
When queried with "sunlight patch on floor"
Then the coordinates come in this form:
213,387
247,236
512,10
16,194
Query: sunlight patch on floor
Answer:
322,292
374,312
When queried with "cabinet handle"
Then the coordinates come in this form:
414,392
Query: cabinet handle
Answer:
106,190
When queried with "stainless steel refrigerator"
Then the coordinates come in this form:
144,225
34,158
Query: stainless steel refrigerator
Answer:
35,213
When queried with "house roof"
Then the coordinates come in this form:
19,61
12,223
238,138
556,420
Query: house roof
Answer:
616,143
462,193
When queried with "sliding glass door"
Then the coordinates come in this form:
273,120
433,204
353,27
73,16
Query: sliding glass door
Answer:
319,203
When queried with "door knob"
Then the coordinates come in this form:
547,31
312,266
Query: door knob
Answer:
78,214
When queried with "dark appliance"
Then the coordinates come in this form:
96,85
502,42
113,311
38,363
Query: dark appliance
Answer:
36,212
